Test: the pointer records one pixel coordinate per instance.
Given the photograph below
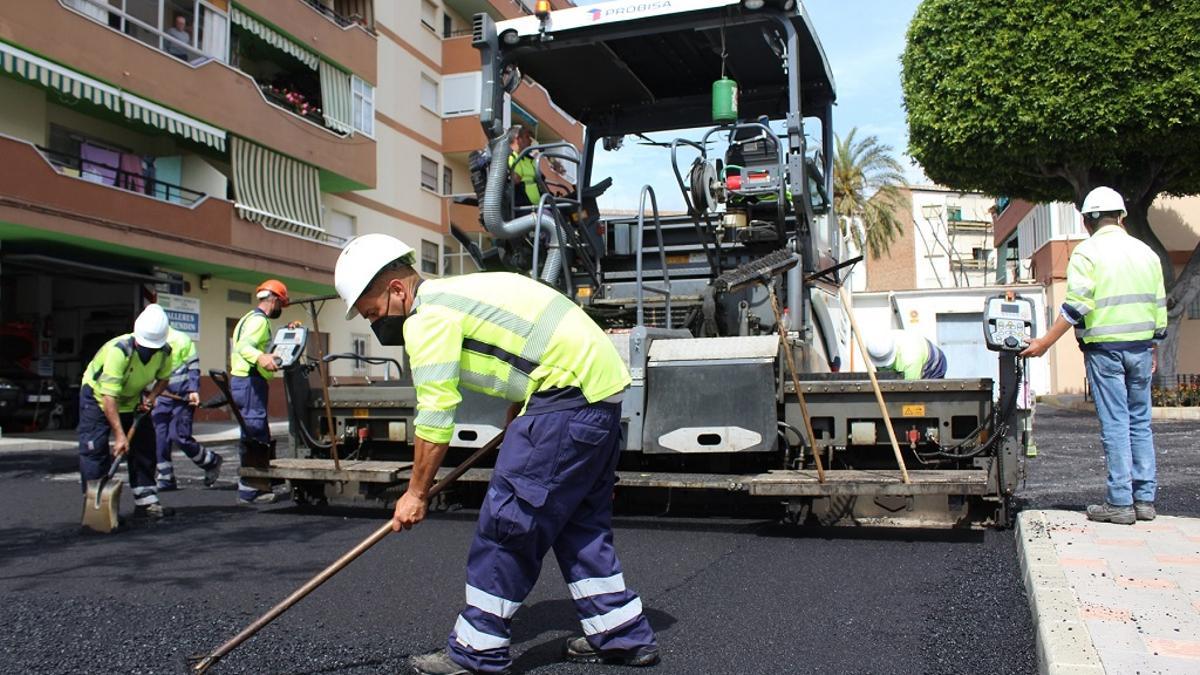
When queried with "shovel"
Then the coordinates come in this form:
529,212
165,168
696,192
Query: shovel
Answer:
103,497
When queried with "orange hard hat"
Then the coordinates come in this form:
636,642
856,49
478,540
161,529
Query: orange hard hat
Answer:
272,286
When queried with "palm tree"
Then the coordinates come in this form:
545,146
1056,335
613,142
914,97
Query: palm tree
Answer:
866,192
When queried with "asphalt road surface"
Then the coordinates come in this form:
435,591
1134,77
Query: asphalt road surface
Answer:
726,596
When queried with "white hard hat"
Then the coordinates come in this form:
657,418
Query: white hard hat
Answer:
881,347
150,329
361,260
1102,200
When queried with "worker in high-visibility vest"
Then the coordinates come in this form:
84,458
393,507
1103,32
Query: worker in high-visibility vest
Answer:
112,392
250,369
173,413
909,353
509,336
1118,307
524,171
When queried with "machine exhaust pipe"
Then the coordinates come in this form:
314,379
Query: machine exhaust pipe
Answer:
492,210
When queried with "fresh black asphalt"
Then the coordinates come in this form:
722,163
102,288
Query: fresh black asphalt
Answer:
726,596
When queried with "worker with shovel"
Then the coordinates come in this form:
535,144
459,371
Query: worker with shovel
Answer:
113,386
173,412
250,368
511,337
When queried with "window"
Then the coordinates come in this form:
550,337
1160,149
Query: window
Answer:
358,345
447,180
429,94
429,172
429,257
429,15
339,225
460,94
364,106
954,213
447,26
190,30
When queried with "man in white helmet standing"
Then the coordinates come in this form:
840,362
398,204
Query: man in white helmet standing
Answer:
1118,307
113,390
515,338
911,354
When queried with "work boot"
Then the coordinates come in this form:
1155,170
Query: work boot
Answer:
167,483
1144,510
250,498
437,663
155,511
211,473
1107,513
580,650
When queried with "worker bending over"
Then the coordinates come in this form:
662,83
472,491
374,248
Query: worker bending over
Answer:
511,337
250,369
909,353
1118,306
113,385
173,414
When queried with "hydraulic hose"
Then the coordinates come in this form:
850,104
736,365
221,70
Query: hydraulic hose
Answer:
492,210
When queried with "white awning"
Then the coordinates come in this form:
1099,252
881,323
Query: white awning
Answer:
277,191
137,108
335,98
51,75
273,37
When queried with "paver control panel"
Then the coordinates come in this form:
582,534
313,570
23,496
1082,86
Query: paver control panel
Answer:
1008,323
288,346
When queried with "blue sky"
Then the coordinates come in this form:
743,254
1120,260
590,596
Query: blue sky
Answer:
863,40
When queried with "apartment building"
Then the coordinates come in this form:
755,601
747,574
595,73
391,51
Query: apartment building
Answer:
181,151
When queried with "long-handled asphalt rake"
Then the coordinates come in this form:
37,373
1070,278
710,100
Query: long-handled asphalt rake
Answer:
200,663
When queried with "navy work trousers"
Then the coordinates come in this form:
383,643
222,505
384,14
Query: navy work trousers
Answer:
173,426
95,457
250,396
552,488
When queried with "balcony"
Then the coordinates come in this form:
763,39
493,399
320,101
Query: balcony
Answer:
162,224
346,39
209,89
461,132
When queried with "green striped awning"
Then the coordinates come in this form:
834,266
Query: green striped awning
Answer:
137,108
335,97
276,191
22,64
273,37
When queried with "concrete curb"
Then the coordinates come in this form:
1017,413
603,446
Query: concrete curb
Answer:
1157,413
1064,644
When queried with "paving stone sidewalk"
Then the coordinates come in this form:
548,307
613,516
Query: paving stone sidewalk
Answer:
1112,598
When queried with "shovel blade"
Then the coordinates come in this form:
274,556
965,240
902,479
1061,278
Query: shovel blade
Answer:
100,505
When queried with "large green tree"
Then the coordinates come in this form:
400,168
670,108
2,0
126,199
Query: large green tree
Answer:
1045,100
866,192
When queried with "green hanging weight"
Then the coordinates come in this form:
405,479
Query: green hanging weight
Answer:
724,100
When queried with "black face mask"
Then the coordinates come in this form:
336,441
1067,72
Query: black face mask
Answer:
274,313
389,330
145,353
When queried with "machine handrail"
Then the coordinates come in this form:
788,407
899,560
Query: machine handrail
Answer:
537,240
662,256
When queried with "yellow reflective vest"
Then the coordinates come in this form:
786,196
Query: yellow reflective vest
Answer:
251,337
117,371
912,352
1115,295
504,335
185,363
526,170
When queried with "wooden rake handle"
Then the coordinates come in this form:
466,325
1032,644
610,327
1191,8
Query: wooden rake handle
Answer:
201,664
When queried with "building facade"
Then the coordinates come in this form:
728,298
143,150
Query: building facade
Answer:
182,151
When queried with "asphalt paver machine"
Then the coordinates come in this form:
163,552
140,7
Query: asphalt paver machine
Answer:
689,298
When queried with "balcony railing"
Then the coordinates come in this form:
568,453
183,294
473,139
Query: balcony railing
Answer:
342,21
209,41
289,102
114,176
